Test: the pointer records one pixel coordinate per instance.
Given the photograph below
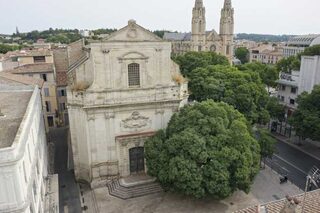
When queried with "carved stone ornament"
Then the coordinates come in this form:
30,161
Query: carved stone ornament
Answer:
135,121
91,117
132,32
109,115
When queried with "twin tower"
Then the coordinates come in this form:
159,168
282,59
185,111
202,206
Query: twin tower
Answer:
202,40
211,41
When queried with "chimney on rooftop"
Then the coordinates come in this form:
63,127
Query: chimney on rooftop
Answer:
291,205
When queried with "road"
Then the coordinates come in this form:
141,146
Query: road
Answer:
291,161
69,199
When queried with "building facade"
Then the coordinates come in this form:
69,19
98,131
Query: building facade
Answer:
201,40
288,91
64,57
266,54
23,149
46,72
309,73
122,93
298,44
293,84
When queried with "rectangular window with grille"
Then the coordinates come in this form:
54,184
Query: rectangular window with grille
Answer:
39,59
134,75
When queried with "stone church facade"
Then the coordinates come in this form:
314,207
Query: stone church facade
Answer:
201,40
121,93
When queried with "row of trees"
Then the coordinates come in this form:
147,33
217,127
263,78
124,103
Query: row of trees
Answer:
286,65
264,38
4,48
209,148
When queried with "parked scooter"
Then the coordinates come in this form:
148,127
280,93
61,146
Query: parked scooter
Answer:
284,179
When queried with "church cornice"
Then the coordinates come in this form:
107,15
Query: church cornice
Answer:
110,106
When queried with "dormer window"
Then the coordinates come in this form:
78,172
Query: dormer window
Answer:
134,75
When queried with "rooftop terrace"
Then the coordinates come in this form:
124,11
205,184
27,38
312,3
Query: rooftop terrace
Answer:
14,100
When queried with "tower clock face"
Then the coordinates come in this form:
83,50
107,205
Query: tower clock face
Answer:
213,48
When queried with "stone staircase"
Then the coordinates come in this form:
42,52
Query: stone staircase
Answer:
119,190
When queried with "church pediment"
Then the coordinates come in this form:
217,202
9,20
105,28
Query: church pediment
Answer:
213,36
133,32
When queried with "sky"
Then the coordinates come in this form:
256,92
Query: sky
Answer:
251,16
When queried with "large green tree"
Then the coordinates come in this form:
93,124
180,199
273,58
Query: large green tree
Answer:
241,89
306,119
289,64
242,54
206,150
268,73
192,60
275,109
267,144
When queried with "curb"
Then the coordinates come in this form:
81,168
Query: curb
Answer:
295,147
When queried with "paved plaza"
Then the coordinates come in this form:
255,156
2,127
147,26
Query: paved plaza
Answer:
266,188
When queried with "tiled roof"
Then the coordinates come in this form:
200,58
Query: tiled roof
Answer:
312,204
33,68
22,79
177,36
26,53
62,79
36,52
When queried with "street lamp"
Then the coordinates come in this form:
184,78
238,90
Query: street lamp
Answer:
314,178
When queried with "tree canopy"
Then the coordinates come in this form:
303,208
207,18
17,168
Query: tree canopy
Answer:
241,89
268,73
289,64
206,150
51,35
242,54
263,37
311,51
103,31
4,48
266,142
161,33
275,109
306,119
192,60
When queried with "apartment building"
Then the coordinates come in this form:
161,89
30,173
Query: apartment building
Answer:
25,183
46,72
266,54
298,44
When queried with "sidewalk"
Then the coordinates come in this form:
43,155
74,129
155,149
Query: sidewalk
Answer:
266,188
306,147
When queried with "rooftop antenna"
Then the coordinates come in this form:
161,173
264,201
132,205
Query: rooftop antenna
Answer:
313,177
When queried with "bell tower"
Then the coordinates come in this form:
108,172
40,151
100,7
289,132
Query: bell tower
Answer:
227,29
198,26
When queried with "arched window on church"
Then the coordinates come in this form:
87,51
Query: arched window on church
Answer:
134,75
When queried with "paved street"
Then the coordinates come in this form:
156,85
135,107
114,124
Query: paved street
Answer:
68,190
266,188
291,161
